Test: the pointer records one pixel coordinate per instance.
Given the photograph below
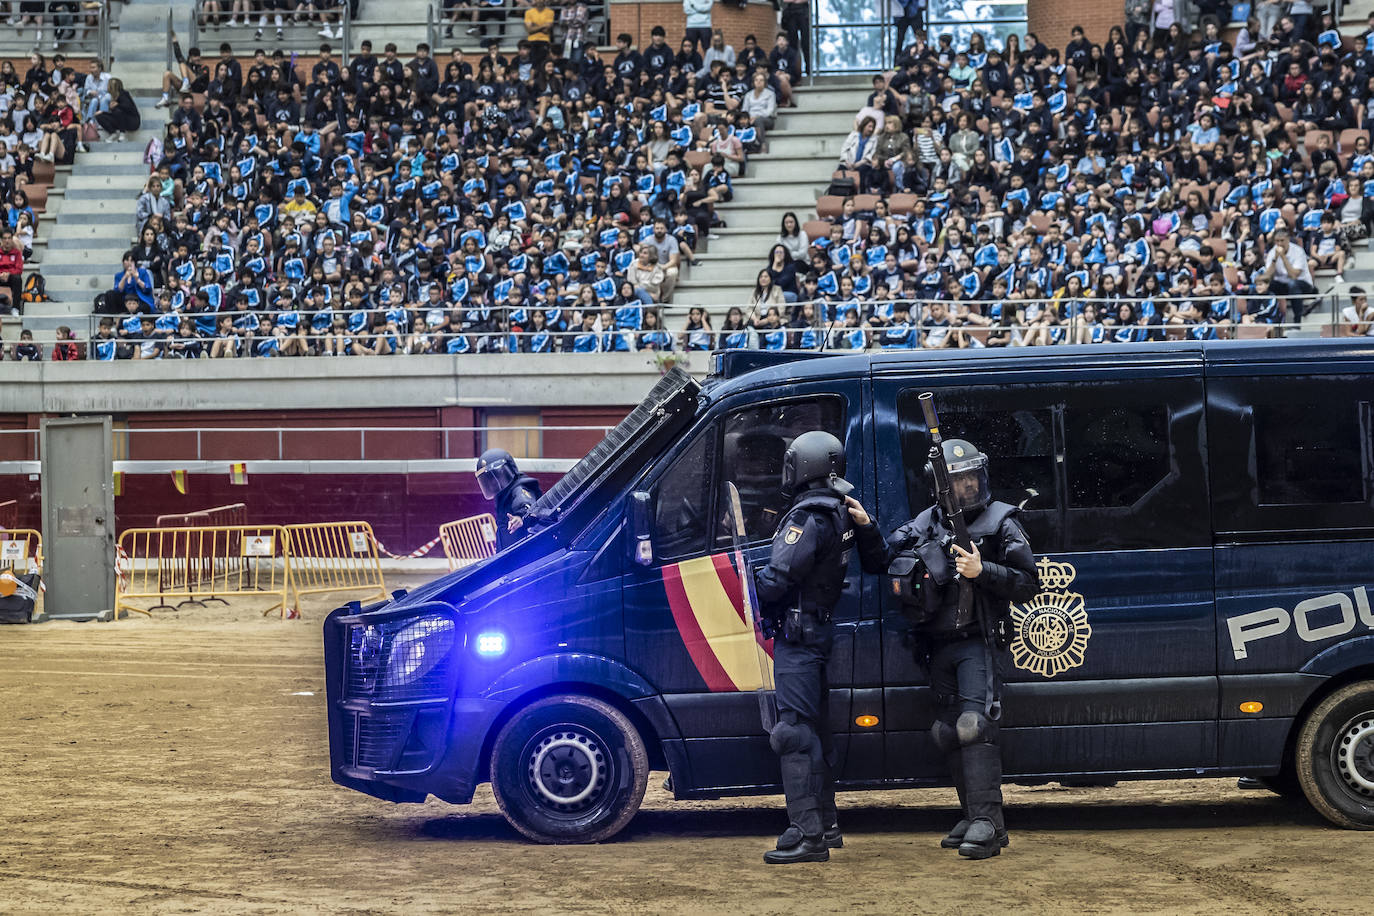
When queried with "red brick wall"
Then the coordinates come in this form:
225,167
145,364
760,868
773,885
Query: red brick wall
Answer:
1051,20
639,18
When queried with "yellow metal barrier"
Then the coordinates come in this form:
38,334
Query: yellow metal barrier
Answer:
198,565
468,540
334,557
21,550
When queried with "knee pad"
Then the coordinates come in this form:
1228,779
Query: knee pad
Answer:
790,738
972,728
944,735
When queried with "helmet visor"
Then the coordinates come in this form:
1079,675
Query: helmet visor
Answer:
494,478
970,485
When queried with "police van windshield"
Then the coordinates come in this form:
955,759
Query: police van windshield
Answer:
666,403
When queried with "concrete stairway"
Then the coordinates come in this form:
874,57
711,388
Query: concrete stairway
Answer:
94,215
803,150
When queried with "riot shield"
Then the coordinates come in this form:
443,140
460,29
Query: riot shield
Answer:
768,706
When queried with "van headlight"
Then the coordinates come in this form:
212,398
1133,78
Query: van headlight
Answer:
418,647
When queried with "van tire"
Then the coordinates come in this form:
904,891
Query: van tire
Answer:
574,747
1335,756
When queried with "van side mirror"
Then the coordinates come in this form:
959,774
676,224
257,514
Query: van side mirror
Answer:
641,519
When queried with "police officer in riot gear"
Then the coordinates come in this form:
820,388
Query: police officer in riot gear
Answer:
515,494
798,590
958,643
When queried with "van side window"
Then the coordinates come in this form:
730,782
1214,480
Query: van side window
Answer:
1111,465
1305,454
682,502
1292,453
1011,428
1133,466
1114,455
755,440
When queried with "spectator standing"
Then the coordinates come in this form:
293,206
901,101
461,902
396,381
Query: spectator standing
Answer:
1268,13
698,22
539,29
12,269
907,14
796,24
1138,19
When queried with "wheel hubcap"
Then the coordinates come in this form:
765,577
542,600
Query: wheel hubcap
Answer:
1353,755
567,769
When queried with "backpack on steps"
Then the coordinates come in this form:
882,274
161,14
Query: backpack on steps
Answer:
35,289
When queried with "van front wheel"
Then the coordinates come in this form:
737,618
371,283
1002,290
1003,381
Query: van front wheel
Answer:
1335,757
569,769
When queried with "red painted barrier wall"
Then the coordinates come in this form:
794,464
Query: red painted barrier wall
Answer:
405,510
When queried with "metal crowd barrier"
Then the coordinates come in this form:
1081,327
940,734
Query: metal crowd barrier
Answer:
334,557
467,540
21,550
200,565
203,564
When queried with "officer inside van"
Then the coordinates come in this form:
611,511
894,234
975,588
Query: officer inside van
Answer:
797,591
957,647
515,494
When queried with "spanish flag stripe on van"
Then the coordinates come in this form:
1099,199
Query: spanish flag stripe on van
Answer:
708,667
710,618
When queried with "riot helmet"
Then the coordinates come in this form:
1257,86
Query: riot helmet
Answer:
968,474
814,456
496,470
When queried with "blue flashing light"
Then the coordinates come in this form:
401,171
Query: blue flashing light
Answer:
491,644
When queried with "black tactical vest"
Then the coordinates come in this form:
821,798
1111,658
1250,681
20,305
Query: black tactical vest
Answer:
819,590
942,594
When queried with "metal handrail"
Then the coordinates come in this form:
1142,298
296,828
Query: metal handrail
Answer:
59,18
488,337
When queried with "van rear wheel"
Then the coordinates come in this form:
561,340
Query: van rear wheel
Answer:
1335,757
569,769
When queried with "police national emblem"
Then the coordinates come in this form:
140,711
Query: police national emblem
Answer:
1052,628
793,534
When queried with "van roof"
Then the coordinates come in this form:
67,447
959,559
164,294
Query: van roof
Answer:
737,369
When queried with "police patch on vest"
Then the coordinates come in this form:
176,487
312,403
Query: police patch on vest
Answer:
793,535
1052,628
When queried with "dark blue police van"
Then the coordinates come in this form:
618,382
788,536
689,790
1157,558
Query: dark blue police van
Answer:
1203,515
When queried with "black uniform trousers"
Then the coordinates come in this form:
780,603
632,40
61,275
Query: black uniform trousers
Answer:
963,731
803,740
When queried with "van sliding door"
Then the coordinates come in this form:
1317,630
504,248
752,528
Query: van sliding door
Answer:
684,618
1111,668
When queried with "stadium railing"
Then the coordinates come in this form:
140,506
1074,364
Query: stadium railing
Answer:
491,334
76,28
